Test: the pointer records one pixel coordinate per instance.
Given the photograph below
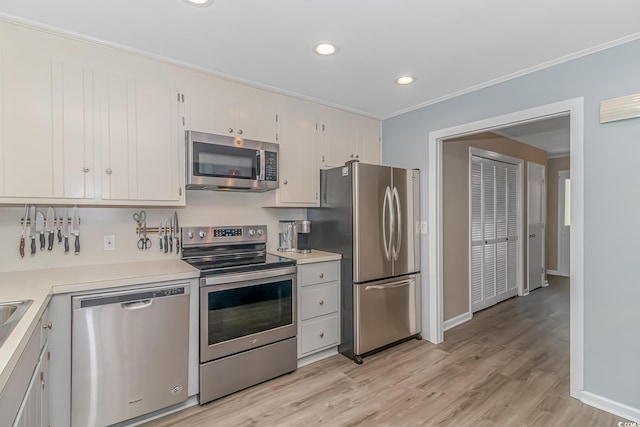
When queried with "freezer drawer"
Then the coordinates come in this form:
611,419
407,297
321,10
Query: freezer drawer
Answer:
385,311
129,353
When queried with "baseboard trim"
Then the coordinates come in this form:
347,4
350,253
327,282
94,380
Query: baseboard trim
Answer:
316,357
552,272
458,320
613,407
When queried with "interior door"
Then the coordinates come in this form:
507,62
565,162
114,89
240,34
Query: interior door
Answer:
494,255
535,228
564,222
405,248
372,234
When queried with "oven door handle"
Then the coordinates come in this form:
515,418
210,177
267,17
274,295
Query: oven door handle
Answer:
262,165
243,277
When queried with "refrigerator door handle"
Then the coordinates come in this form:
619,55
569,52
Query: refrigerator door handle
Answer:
389,285
386,204
398,245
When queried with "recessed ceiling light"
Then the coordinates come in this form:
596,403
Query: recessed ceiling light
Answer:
325,48
199,3
405,80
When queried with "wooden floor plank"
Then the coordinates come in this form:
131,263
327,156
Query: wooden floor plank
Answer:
508,366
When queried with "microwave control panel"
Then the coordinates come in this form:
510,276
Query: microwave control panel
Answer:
270,166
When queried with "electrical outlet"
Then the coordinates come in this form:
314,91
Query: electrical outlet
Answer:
109,243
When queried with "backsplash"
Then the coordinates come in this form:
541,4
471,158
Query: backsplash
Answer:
203,208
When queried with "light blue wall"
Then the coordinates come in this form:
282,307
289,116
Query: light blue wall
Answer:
612,196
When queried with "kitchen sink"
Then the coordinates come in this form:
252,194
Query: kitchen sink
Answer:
10,315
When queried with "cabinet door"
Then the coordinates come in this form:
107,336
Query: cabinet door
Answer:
27,124
212,107
30,412
339,137
299,173
44,386
140,141
47,132
255,114
368,147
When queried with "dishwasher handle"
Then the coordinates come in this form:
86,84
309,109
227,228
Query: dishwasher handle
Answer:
130,300
136,305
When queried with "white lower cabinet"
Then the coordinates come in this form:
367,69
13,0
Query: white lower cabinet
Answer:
24,402
318,307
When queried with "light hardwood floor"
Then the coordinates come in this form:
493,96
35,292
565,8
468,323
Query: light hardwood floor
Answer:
508,366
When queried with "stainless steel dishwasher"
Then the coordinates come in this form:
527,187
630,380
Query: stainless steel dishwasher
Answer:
129,353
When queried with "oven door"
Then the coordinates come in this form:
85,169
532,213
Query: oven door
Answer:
239,312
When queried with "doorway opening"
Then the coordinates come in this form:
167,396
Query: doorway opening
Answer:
433,321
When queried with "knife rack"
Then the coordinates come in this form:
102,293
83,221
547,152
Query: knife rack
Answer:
150,230
59,222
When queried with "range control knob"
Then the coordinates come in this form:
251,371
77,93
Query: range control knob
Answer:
260,231
202,234
190,234
252,232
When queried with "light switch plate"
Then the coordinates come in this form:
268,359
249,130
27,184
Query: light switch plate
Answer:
109,243
424,228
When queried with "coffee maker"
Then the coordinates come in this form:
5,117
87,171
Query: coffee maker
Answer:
294,236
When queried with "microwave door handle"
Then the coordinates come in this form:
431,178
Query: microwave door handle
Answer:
262,159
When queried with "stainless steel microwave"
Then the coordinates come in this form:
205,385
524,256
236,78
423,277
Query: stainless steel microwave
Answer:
221,162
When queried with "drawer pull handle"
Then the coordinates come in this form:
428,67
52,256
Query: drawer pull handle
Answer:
321,275
47,325
321,334
321,302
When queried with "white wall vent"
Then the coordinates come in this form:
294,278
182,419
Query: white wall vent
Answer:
625,107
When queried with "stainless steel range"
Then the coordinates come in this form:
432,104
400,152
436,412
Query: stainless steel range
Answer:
247,308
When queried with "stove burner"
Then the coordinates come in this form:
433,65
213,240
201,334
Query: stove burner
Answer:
229,250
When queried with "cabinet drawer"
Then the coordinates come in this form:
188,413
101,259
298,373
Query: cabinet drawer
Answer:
321,272
318,300
317,334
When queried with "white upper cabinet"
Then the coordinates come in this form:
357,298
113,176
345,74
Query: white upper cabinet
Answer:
347,136
368,144
225,108
140,140
298,168
46,136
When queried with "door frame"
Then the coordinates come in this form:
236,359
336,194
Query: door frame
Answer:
432,325
543,207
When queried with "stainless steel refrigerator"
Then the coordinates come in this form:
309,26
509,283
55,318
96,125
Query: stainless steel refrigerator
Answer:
369,214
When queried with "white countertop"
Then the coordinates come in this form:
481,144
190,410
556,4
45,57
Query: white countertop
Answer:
39,285
313,256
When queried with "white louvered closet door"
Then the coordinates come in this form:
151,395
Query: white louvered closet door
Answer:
494,232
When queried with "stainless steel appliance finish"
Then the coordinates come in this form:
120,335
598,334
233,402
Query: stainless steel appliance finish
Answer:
386,311
220,162
129,353
294,236
247,308
369,214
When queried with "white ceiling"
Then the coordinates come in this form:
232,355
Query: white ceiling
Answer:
551,135
450,46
